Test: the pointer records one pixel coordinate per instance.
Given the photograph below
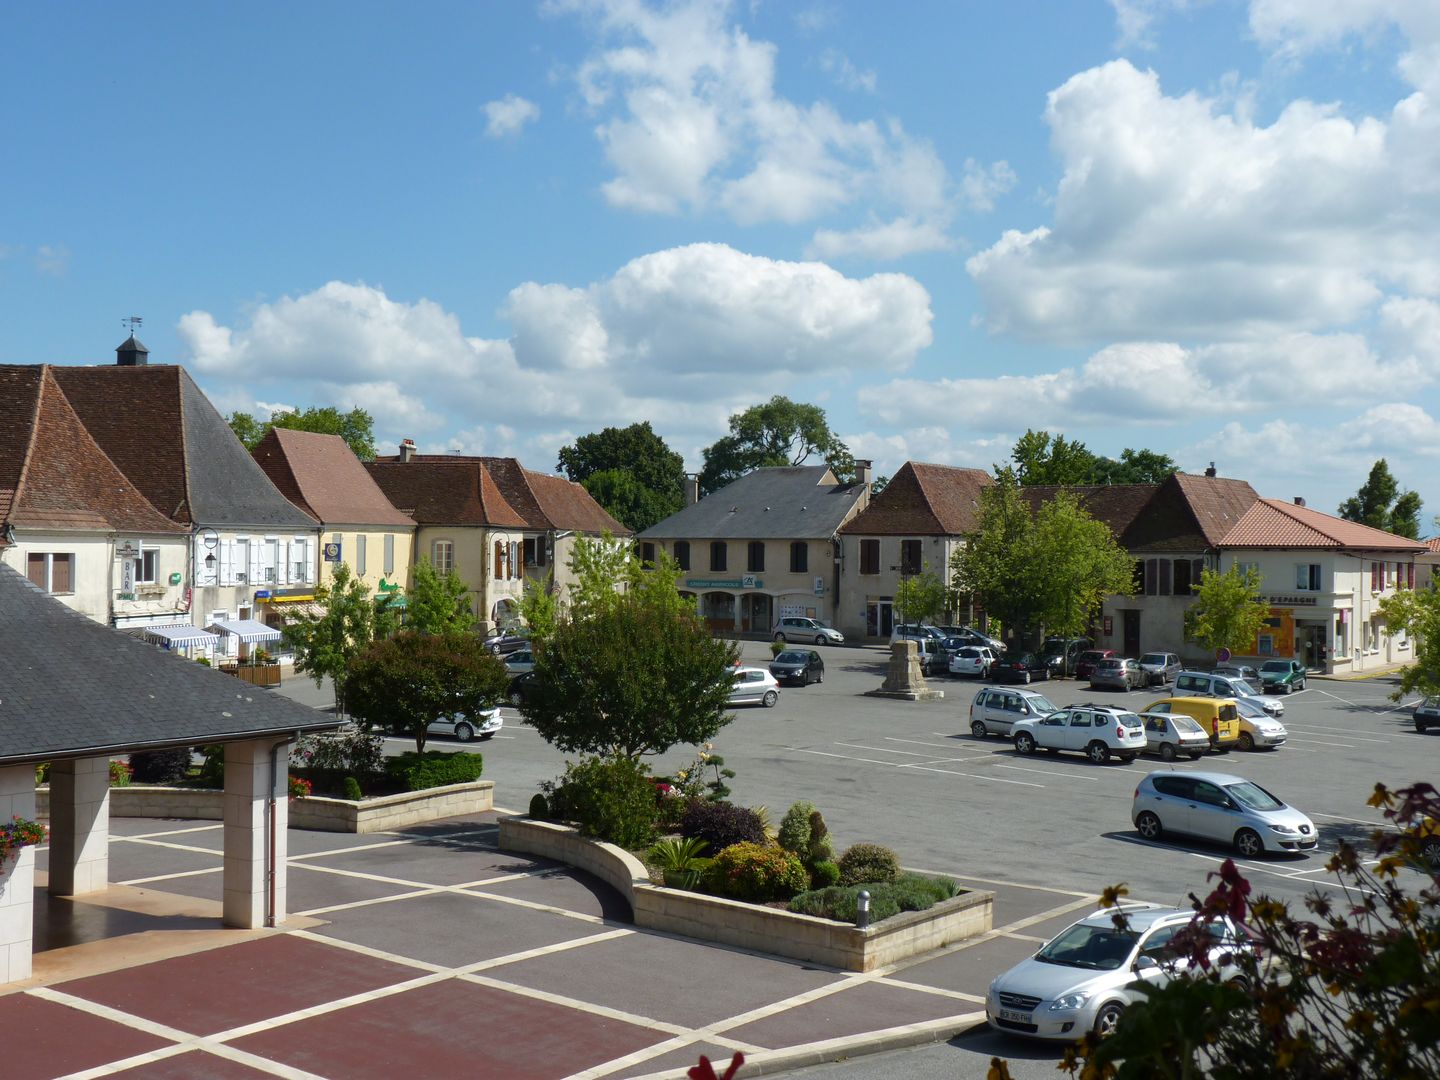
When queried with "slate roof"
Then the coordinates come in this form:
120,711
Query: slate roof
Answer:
924,500
173,445
72,687
794,502
322,476
52,473
440,489
1274,523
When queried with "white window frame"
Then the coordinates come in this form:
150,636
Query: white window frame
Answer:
151,555
445,565
268,561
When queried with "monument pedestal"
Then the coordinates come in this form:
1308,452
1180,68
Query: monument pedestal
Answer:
904,681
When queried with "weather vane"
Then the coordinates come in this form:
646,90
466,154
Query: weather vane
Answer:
133,322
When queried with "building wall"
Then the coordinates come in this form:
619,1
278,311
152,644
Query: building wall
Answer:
494,585
864,598
374,569
233,562
92,563
1156,612
167,595
750,601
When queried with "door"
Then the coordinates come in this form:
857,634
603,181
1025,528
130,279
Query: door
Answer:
1082,727
1131,624
1050,732
1208,815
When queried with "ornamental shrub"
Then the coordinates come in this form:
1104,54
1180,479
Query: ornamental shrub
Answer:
864,863
212,770
795,828
757,873
824,874
434,768
160,766
721,824
353,751
822,848
539,810
909,892
609,798
352,789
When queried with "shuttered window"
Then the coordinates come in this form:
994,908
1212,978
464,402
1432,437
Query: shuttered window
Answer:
870,556
682,554
389,554
799,557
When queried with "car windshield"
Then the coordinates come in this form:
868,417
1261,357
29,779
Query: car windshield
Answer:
1153,658
1243,687
1275,665
1185,724
1253,796
1097,948
1041,704
792,657
1249,708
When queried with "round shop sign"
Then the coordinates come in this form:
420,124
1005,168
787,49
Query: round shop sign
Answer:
1222,656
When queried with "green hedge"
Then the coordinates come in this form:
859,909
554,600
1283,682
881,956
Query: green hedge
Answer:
909,892
434,768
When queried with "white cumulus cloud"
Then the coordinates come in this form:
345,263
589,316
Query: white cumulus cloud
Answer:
507,115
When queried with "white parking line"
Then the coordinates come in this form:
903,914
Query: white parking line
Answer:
847,757
913,765
1322,742
879,749
1349,733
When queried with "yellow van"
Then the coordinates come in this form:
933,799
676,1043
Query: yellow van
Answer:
1218,716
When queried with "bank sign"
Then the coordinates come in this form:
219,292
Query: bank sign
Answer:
724,583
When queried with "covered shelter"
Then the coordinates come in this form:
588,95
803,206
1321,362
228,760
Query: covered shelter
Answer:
75,693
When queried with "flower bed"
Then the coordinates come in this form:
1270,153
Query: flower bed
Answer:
751,926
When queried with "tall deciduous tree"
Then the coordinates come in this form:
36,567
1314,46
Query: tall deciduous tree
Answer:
1228,611
356,427
920,596
1042,458
1382,505
324,645
437,603
1417,613
407,682
778,432
630,471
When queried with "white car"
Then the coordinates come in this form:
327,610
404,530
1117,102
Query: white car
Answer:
1257,727
793,628
972,660
754,686
463,728
1097,731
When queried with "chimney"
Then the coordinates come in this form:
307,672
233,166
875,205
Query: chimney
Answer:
1299,501
863,471
407,449
692,488
1211,470
132,354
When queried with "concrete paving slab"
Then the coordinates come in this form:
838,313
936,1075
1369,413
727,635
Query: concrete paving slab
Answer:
129,862
574,890
452,863
969,969
1014,903
863,1007
452,930
47,1039
453,1030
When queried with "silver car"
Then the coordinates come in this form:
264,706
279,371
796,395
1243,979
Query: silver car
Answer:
971,660
1117,674
1160,667
1220,807
1172,734
1206,684
797,628
995,710
1086,977
1257,727
754,686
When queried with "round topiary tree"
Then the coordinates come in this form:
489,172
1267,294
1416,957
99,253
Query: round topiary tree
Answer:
865,863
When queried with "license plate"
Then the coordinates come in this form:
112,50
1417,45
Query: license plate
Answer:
1014,1016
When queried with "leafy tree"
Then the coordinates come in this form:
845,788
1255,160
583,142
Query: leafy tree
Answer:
996,562
779,432
1042,458
409,681
356,427
540,607
437,604
920,596
1134,467
879,484
656,472
1382,505
1417,612
1228,611
324,645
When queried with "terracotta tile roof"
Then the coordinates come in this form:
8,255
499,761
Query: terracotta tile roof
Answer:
52,472
321,475
1274,523
1217,502
1117,505
1433,544
923,500
567,505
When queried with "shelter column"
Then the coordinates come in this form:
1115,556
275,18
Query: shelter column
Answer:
79,826
17,878
256,816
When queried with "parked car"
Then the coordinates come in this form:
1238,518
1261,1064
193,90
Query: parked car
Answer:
1220,807
1097,731
1282,676
1063,653
995,710
1173,736
1117,674
522,687
1258,729
754,686
794,628
972,660
1426,715
916,632
1426,832
1020,668
1219,716
1085,977
520,661
1206,684
802,666
1160,667
482,725
1237,671
948,647
977,637
1086,661
504,642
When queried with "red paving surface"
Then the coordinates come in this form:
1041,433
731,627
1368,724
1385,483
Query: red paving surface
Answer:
57,1039
225,988
193,1065
455,1029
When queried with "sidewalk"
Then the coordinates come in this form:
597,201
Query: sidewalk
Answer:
430,953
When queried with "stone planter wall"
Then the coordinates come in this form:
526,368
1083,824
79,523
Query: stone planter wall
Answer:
763,929
312,812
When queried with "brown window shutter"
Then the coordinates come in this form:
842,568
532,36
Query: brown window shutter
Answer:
35,570
61,575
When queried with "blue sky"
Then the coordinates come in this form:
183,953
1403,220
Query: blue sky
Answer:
1207,228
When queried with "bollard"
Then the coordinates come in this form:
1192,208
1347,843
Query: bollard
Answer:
862,910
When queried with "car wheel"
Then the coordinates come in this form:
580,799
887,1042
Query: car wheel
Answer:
1302,685
1024,743
1420,725
1196,757
820,676
464,732
978,729
1249,844
1107,1019
1240,982
516,698
1167,751
1246,742
770,698
780,637
1148,825
1098,752
1430,851
1025,677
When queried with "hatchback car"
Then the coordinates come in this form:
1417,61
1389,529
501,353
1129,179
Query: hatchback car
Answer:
1092,971
1160,667
794,628
1086,661
1220,807
1097,731
1117,674
972,660
1282,676
802,666
995,710
482,725
1258,729
1426,715
1174,735
519,661
754,686
1020,668
1237,671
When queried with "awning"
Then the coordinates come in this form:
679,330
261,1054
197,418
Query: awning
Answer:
246,631
292,611
180,637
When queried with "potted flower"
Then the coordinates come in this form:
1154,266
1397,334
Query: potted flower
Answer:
16,834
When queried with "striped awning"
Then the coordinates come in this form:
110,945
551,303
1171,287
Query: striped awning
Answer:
246,631
180,637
